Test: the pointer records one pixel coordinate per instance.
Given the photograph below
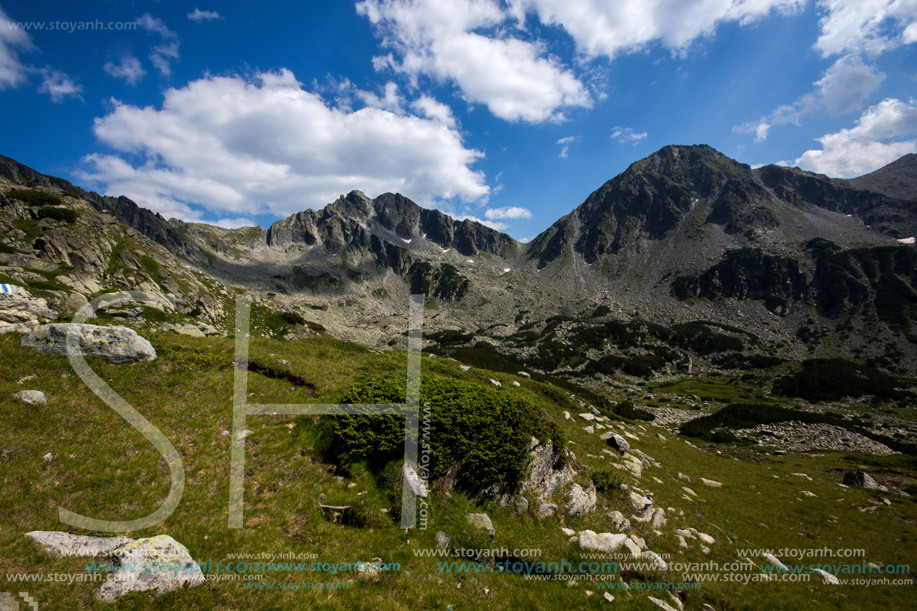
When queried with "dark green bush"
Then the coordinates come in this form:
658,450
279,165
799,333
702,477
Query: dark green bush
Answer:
606,481
293,318
58,213
834,379
35,197
626,409
486,430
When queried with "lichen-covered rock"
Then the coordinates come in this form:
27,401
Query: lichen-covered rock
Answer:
481,521
160,564
113,344
581,501
600,542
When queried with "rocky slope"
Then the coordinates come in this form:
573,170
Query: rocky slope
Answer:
691,251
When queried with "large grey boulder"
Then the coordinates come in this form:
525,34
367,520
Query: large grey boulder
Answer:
32,397
160,564
580,501
860,479
617,442
66,545
542,477
113,344
21,312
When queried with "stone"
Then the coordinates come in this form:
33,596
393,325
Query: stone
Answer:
607,596
687,534
600,542
546,510
32,397
772,559
659,519
370,570
661,604
684,477
632,547
581,501
587,416
522,505
113,344
568,531
827,577
464,367
706,538
48,457
542,477
618,443
589,429
860,479
159,563
66,545
515,383
566,415
20,312
495,383
711,483
442,539
638,501
413,480
619,521
681,541
523,374
656,560
481,521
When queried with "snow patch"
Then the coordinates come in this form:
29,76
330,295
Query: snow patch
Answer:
909,240
470,261
405,241
507,270
445,250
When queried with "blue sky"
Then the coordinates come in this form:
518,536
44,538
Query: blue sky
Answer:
510,112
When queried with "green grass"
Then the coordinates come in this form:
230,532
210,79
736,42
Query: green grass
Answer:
104,469
707,388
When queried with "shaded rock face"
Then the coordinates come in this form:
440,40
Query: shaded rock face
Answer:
351,223
113,344
748,274
891,215
652,198
159,564
860,479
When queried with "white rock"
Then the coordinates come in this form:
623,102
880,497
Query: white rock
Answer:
413,480
589,429
655,559
772,559
32,397
495,383
65,545
113,344
48,457
828,577
587,416
174,568
481,521
600,542
568,531
580,501
706,538
711,483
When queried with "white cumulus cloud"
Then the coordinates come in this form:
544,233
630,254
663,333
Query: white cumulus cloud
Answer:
876,140
511,212
844,87
12,41
460,42
241,147
864,26
612,28
58,85
129,69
